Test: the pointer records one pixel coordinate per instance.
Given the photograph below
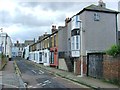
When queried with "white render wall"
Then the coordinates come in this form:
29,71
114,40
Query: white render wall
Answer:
26,52
99,35
14,51
6,43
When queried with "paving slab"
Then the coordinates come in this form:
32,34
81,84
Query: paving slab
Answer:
8,77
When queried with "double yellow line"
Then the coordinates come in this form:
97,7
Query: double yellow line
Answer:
17,70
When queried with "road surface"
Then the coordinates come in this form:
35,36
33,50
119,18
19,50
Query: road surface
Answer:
36,77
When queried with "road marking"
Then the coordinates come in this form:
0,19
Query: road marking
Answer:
41,71
47,81
43,84
34,87
33,71
39,84
54,77
30,86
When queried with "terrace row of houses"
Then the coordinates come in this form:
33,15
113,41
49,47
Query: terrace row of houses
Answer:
92,30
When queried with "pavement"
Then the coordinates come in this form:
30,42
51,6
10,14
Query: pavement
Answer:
88,81
8,77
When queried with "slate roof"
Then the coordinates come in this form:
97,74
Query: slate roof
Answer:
98,8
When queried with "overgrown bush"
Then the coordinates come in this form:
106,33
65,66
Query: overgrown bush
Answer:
114,51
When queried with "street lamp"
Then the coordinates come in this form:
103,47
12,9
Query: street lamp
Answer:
81,46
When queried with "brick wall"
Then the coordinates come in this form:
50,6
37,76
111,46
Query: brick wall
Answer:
111,68
78,66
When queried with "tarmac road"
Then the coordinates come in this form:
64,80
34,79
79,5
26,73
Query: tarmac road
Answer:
35,77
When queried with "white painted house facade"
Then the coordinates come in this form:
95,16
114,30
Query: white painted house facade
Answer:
5,44
18,49
75,36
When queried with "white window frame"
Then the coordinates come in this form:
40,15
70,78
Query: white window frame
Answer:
96,17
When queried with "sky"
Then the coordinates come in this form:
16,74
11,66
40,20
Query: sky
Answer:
27,19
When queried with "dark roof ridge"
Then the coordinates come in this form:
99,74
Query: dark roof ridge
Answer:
93,7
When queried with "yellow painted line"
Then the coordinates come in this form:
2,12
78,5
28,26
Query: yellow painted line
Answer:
17,70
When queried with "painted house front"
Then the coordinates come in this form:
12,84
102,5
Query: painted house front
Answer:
75,36
46,51
14,51
26,52
18,49
99,32
54,47
6,45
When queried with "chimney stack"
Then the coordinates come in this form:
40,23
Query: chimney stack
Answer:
34,40
101,4
45,34
53,28
66,21
17,42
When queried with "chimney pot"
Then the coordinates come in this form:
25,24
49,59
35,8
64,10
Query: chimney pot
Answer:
66,20
101,4
53,28
17,41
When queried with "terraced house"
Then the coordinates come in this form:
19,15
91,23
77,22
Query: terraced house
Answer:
54,47
93,30
5,45
78,45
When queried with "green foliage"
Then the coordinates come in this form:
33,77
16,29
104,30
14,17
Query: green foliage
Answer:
0,55
114,81
114,51
3,60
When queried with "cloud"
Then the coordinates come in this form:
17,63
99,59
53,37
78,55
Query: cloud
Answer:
21,33
29,4
5,18
28,20
54,6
